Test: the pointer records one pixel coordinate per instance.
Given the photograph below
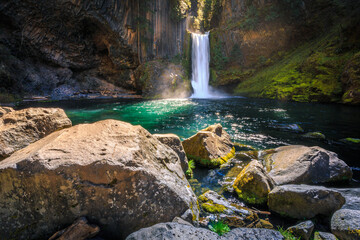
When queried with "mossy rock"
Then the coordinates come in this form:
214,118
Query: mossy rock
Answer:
314,135
253,184
351,141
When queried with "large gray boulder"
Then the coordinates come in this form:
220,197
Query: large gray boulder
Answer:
302,230
20,128
5,110
174,142
176,231
210,147
117,175
345,224
305,165
253,184
304,201
324,236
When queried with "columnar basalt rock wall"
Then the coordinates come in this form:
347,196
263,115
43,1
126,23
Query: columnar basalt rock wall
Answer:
82,45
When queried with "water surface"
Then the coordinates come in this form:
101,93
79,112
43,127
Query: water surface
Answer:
257,122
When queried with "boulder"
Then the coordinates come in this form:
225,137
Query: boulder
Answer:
117,175
324,236
302,230
352,197
315,135
252,234
172,231
176,231
303,201
5,110
20,128
210,147
305,165
79,230
214,203
174,142
253,184
345,224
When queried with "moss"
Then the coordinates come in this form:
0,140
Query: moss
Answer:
213,163
316,135
213,207
351,140
310,73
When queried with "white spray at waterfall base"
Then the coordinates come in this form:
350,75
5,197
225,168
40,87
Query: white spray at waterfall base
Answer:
200,67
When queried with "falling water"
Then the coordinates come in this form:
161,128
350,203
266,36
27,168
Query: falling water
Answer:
200,65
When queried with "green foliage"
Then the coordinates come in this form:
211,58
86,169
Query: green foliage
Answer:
8,98
179,9
251,18
287,234
235,55
219,227
310,73
218,59
191,166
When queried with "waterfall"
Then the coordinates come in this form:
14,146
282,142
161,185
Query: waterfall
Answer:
200,65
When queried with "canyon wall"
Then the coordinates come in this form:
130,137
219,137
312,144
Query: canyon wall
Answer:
60,47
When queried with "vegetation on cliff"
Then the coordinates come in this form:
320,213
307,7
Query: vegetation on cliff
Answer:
288,50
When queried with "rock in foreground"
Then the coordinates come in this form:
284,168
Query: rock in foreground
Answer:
302,230
5,110
175,231
253,184
117,175
303,201
306,165
210,147
345,224
174,142
79,230
18,129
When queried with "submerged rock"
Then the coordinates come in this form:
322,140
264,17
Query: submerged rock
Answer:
304,201
302,230
5,110
177,231
20,128
174,142
314,135
210,147
306,165
117,175
79,230
355,141
345,224
253,184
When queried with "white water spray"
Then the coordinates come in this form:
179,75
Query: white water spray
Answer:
200,65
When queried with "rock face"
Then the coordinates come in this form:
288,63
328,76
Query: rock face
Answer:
4,110
210,147
303,201
162,79
20,128
79,230
117,175
306,165
324,236
174,142
253,184
345,224
178,231
302,230
94,44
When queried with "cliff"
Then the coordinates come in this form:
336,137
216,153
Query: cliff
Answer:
288,50
62,47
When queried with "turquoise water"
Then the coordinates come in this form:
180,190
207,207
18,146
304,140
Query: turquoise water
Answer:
257,122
